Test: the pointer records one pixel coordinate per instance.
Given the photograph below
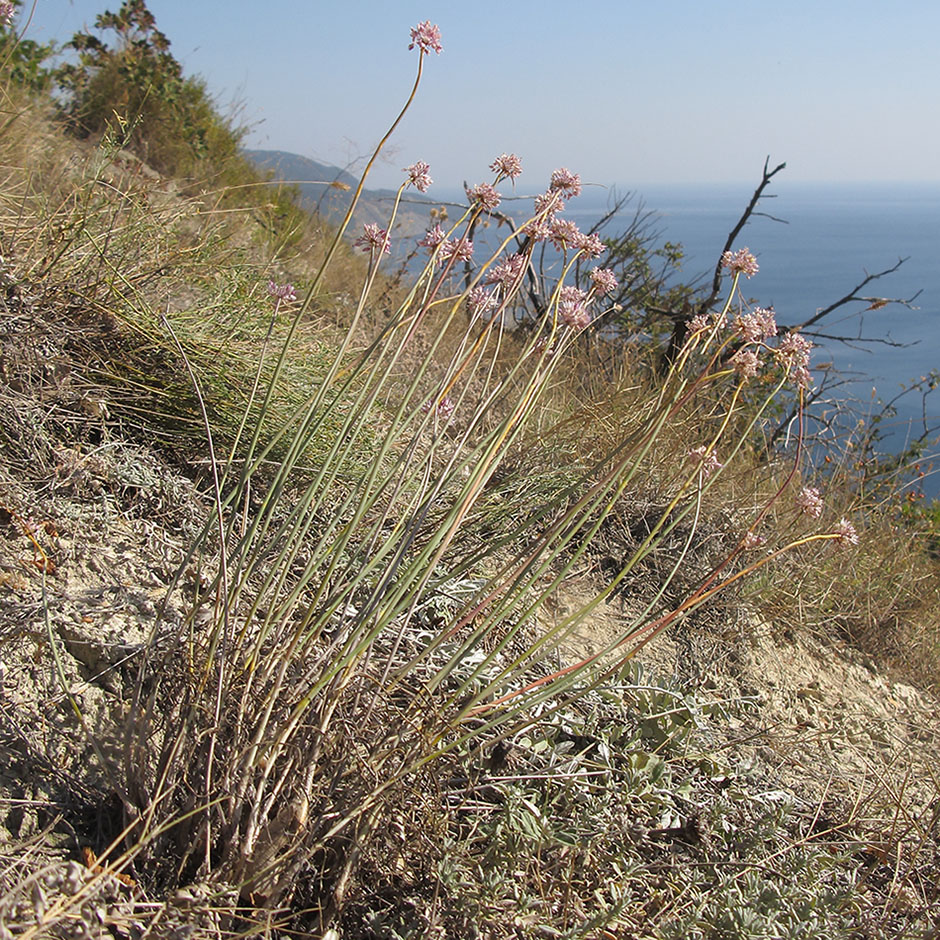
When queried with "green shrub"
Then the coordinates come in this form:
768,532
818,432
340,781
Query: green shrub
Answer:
138,87
24,60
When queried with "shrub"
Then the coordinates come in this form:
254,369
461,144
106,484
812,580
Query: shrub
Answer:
23,60
137,84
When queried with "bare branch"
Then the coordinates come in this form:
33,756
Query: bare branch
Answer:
851,340
767,215
766,177
875,303
680,318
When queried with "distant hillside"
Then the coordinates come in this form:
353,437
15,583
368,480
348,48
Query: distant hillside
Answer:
328,190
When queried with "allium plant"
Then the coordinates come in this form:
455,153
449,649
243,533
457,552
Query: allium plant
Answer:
566,183
307,686
373,240
426,37
285,293
604,280
484,195
418,176
740,262
507,166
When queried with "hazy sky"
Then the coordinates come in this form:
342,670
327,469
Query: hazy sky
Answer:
625,91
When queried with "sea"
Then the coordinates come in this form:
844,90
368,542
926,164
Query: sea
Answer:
815,243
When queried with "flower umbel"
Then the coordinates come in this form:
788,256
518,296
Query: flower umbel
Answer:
572,307
507,272
426,37
757,325
445,407
564,233
461,250
591,245
706,458
846,533
433,237
484,195
6,14
546,204
746,363
373,239
767,320
604,280
793,351
566,183
481,301
507,166
282,292
809,502
740,262
418,175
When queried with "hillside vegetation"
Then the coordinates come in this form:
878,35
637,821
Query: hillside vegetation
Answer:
337,601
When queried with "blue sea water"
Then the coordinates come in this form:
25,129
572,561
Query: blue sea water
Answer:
832,235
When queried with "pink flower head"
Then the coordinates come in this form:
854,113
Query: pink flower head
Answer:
699,323
752,540
418,176
575,314
740,262
565,182
445,407
572,307
846,533
793,351
373,239
757,325
809,502
604,280
6,14
706,458
563,233
767,319
507,273
538,231
794,348
548,203
461,250
426,37
485,196
591,246
433,237
748,328
282,292
542,346
717,318
481,301
801,377
571,294
507,165
746,363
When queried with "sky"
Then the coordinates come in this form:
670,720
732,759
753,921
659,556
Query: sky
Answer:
625,92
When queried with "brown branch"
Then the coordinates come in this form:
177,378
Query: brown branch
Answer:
766,177
680,318
875,303
852,340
